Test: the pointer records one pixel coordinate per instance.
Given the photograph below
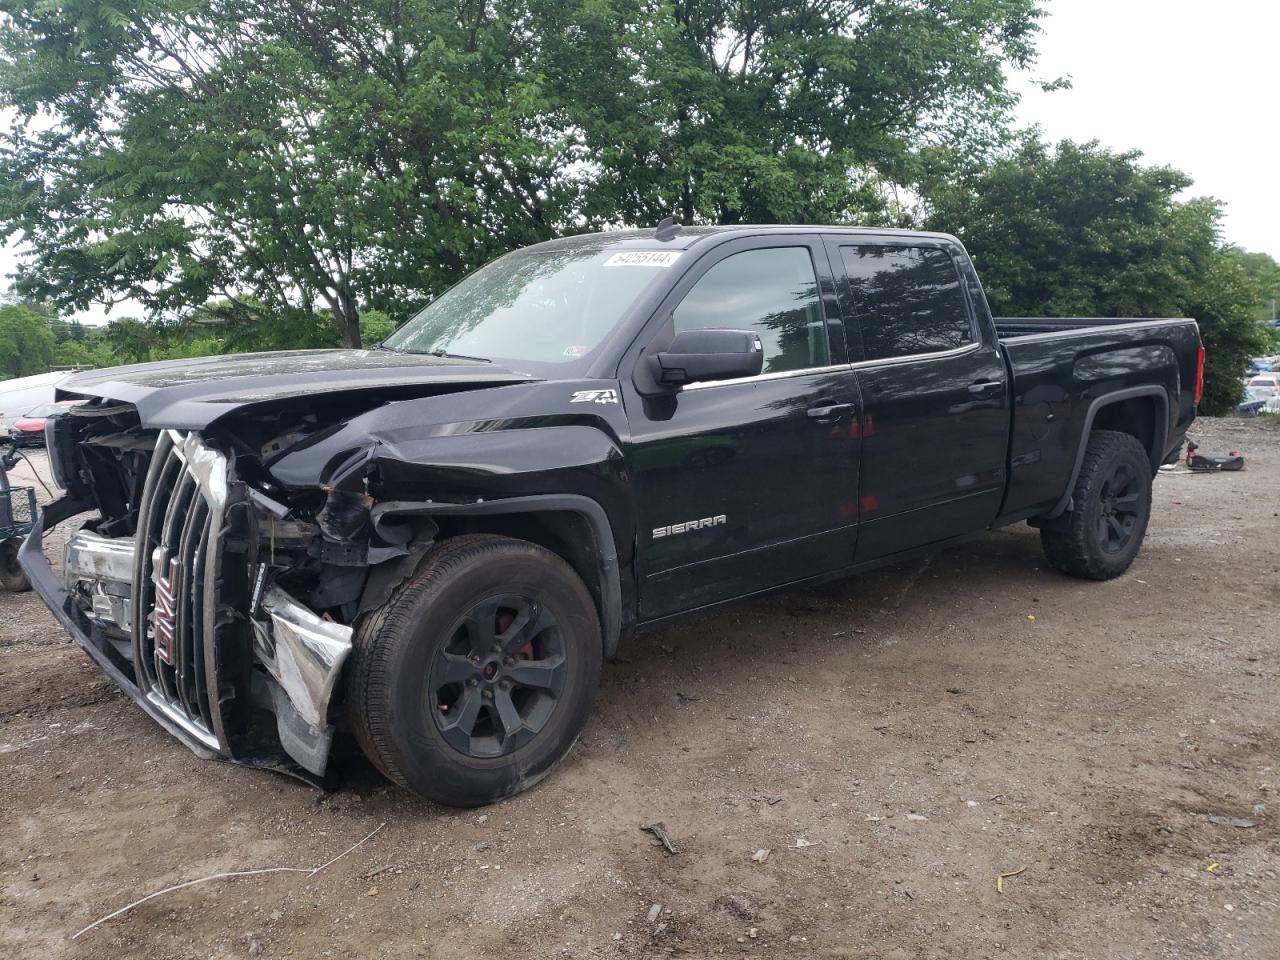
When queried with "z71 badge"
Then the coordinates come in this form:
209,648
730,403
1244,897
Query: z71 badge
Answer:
594,396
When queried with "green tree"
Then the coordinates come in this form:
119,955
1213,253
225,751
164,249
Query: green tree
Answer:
1084,231
772,111
375,326
83,353
242,325
1265,272
26,342
342,155
130,340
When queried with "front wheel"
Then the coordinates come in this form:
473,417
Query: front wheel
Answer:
12,577
475,678
1102,534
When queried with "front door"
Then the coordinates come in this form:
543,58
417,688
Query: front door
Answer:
746,484
934,392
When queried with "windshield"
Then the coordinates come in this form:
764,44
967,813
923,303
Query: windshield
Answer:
44,410
539,306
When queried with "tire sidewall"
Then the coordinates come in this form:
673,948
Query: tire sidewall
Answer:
1130,453
424,759
12,577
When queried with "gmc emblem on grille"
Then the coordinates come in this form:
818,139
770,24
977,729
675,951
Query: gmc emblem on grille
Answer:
165,612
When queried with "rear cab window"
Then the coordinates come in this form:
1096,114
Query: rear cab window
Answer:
908,300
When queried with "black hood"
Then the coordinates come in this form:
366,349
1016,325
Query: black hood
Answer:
191,394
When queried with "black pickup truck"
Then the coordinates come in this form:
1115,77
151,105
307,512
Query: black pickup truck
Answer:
436,543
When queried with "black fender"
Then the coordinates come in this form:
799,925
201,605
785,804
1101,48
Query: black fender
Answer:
1160,433
609,569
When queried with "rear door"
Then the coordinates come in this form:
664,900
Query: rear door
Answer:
934,393
745,484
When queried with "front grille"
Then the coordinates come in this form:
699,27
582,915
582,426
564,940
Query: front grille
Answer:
177,580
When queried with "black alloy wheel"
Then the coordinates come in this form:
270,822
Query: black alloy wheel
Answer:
495,683
1121,501
1111,503
475,677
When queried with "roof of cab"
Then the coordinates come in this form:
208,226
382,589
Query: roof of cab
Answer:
686,237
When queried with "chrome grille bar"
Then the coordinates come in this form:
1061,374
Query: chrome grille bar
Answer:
175,602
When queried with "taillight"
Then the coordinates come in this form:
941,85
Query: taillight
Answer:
1199,374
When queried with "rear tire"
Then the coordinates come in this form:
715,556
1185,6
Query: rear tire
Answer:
12,577
473,681
1111,504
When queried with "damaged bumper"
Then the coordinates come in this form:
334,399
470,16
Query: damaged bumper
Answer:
202,657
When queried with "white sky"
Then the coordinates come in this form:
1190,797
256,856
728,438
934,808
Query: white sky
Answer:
1194,85
1191,84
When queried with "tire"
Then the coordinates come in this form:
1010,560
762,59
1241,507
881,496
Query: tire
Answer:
1102,534
12,577
487,625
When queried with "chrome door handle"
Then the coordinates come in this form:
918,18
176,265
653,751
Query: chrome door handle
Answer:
985,386
829,413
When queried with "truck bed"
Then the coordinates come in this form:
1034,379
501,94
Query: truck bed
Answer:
1061,367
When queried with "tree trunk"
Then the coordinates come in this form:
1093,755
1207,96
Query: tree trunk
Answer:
348,319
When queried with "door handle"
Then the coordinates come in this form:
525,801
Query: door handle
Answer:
829,413
985,386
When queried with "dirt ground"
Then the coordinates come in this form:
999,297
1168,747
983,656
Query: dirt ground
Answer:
895,741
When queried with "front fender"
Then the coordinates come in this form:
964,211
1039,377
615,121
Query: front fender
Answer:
530,449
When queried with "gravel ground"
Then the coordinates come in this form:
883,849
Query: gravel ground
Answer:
895,741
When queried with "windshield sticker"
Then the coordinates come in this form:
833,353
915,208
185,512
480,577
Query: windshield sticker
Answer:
643,258
594,396
575,351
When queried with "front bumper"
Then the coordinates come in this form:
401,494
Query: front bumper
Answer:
107,653
297,656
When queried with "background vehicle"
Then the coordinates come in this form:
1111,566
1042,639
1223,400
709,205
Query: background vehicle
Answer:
1264,385
28,429
20,394
1262,395
438,542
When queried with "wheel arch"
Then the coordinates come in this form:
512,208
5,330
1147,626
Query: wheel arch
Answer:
1142,412
574,527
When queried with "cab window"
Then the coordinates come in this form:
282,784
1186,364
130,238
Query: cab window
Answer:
773,292
908,300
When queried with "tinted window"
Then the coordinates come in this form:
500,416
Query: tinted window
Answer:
773,292
907,299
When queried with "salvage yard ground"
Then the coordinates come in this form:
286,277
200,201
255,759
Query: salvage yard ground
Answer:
896,741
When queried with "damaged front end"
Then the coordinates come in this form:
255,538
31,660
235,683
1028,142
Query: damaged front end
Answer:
223,604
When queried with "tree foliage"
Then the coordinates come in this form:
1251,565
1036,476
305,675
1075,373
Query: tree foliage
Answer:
1264,271
343,155
1084,231
26,342
777,111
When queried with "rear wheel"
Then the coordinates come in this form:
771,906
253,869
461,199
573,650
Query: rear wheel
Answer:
1102,534
476,677
12,577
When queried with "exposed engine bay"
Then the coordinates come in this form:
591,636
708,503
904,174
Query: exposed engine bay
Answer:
195,537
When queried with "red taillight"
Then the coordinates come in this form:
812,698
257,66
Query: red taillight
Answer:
1199,375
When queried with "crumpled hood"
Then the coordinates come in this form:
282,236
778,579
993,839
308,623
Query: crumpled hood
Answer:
191,394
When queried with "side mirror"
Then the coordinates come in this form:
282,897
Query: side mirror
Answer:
712,354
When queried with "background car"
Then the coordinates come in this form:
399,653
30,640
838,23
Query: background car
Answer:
1264,385
28,429
21,394
1261,395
